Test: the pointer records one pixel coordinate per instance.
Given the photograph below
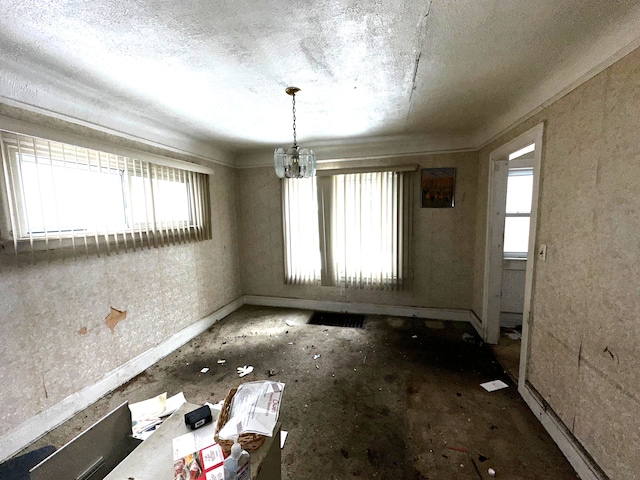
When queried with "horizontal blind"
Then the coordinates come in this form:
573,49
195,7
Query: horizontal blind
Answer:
59,196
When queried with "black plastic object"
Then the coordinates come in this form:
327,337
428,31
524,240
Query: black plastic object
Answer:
198,418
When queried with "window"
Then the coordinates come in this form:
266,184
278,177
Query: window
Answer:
301,237
518,212
361,221
58,195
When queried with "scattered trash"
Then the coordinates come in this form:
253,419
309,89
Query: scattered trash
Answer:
457,449
290,343
283,437
494,385
317,367
148,414
316,356
514,335
468,338
246,370
414,336
222,361
364,360
492,472
272,372
204,370
290,323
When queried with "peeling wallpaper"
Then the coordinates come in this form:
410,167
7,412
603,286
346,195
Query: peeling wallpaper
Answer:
583,356
54,337
442,246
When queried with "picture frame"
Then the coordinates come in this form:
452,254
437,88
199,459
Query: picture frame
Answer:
437,187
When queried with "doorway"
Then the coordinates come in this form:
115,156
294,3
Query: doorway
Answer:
510,247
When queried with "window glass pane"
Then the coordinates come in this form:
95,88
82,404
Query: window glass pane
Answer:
172,201
519,190
516,234
71,197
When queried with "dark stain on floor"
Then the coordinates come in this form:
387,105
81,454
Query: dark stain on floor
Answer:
396,399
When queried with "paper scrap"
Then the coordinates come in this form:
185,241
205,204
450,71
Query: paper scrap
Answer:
243,371
316,356
173,404
290,323
193,441
204,370
494,385
283,437
147,414
514,335
222,361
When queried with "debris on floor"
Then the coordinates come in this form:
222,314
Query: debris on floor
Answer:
457,449
290,323
467,337
222,361
204,370
272,372
494,385
513,334
492,472
283,437
243,371
316,356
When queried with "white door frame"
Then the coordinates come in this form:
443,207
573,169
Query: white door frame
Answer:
498,170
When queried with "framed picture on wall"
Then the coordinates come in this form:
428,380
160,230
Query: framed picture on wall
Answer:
437,187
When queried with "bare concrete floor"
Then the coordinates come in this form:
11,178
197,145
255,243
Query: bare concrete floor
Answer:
399,399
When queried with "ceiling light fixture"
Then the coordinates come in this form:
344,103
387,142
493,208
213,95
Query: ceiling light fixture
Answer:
296,162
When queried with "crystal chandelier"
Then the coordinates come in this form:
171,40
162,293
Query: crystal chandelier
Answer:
296,162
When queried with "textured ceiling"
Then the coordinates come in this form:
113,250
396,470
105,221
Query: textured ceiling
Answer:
199,74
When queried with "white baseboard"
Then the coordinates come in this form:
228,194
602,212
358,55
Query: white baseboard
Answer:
579,459
363,308
38,425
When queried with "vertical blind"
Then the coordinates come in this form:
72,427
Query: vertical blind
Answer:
58,195
301,237
363,221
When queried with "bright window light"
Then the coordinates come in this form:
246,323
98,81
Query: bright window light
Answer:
63,196
516,235
522,151
519,190
518,212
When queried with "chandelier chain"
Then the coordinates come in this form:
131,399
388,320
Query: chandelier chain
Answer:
295,142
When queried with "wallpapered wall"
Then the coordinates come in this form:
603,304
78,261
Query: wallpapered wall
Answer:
584,334
54,338
442,246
